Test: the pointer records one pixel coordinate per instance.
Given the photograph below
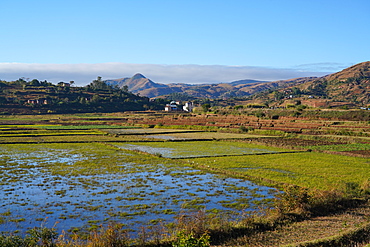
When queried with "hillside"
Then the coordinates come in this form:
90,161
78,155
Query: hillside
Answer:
43,97
347,88
356,71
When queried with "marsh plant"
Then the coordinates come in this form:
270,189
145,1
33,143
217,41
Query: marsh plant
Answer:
83,186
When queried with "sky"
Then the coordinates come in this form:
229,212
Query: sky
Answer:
181,41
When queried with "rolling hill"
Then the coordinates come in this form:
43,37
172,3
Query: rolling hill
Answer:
349,87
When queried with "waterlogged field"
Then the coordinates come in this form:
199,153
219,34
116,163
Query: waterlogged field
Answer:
178,134
80,186
193,149
82,172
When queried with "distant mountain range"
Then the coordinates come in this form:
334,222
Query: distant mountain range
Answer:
349,85
139,84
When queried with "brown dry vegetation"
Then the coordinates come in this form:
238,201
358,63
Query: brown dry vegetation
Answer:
317,231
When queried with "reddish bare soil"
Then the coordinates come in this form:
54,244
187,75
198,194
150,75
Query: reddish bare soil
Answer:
286,124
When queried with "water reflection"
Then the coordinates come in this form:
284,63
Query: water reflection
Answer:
31,192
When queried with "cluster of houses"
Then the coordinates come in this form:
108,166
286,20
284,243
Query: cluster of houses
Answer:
37,102
176,106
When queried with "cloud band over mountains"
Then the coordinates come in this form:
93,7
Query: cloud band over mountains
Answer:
83,74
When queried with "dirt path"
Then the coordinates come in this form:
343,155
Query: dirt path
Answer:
324,227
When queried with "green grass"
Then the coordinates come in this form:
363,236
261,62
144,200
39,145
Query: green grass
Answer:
341,147
200,148
67,138
310,169
77,127
69,133
65,127
206,135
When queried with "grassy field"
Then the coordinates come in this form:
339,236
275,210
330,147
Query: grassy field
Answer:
308,169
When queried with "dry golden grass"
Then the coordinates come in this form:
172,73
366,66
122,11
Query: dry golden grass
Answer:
311,230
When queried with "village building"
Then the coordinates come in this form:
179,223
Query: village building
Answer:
176,106
64,84
188,107
37,101
171,106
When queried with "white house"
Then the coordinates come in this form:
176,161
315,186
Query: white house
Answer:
188,107
175,106
171,106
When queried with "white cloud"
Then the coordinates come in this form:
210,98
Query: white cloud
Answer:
83,74
323,66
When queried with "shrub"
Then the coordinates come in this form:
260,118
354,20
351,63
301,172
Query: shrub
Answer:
295,200
189,240
114,235
352,189
243,129
365,187
260,114
12,241
43,236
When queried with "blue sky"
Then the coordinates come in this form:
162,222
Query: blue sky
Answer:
191,41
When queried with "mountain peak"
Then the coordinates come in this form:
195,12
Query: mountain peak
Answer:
138,76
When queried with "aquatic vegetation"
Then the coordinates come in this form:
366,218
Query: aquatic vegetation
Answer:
75,184
87,174
198,148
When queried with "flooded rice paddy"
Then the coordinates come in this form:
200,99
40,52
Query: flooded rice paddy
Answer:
82,186
194,149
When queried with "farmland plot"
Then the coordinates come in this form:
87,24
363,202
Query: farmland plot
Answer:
82,186
192,149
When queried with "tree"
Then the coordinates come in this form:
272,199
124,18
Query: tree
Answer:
278,95
34,82
206,107
296,91
125,88
98,84
95,99
2,100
